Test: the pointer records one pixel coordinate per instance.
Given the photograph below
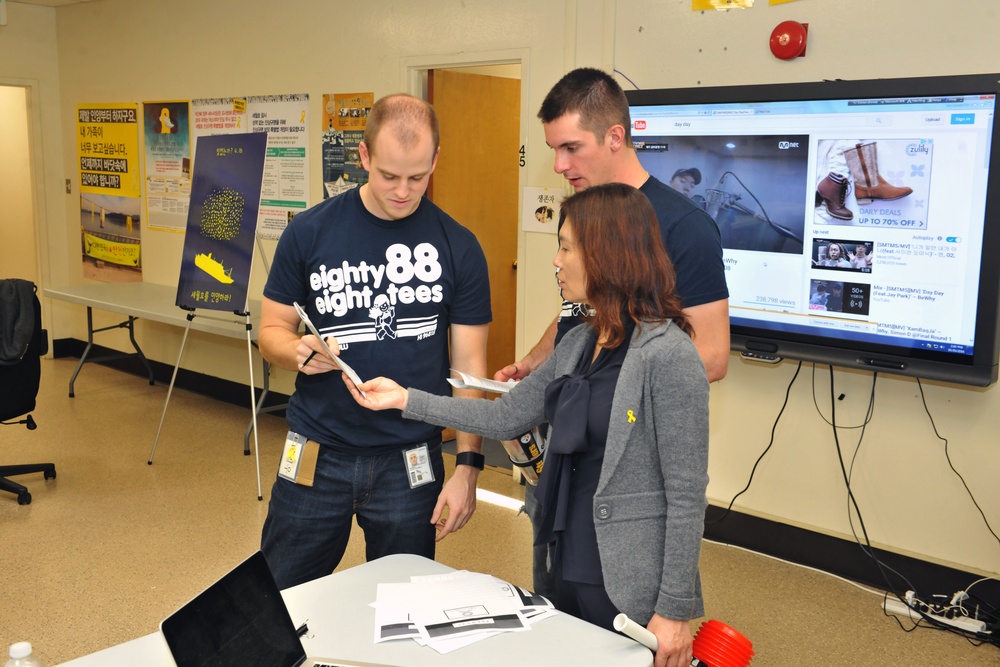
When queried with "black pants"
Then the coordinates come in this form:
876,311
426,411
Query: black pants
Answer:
589,602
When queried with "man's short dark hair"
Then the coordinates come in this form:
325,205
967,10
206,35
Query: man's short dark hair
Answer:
595,95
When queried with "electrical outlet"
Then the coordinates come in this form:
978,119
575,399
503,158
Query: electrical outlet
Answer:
69,187
893,606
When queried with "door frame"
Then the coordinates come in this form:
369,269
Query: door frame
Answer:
36,171
414,82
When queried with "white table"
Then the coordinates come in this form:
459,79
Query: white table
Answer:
146,301
157,303
342,625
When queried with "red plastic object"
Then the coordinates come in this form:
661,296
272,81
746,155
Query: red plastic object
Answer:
788,40
719,645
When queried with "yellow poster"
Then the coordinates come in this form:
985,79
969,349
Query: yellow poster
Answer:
126,254
349,111
108,149
720,5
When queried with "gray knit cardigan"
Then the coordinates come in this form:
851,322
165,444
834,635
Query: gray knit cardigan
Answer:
649,508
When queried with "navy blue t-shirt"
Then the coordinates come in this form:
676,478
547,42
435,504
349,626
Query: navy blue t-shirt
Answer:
693,243
388,290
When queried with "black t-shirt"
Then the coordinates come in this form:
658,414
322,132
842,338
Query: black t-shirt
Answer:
693,244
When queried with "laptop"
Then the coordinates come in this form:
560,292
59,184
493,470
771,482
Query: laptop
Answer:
240,620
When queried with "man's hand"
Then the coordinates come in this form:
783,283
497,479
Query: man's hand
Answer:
674,642
515,371
538,356
283,346
459,497
312,358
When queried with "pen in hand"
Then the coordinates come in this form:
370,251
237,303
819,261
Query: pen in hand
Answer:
308,359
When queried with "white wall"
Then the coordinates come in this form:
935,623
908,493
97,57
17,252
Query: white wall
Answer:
231,47
910,500
129,50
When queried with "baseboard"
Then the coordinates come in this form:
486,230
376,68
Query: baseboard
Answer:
798,545
227,391
842,557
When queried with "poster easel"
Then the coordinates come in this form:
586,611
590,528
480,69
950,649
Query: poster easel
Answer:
218,247
253,402
266,368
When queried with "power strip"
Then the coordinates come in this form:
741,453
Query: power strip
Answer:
893,606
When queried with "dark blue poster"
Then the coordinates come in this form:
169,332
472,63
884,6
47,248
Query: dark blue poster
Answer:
222,221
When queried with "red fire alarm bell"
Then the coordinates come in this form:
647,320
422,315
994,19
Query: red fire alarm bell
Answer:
788,40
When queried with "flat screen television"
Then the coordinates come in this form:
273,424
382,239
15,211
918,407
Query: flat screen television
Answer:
860,220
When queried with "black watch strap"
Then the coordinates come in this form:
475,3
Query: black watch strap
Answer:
474,459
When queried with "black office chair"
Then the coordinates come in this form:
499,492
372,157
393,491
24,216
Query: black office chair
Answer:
22,344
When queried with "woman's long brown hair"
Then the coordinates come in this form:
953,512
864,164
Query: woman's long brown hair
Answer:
628,271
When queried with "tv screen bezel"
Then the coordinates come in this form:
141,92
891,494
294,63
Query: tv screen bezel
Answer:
978,369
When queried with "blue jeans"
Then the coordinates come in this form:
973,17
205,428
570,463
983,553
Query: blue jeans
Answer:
307,528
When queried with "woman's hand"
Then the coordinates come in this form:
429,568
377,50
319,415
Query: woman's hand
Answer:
380,394
674,641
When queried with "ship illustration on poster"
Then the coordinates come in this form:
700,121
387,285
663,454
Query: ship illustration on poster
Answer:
222,222
214,268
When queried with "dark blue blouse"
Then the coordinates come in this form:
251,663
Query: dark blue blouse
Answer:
571,508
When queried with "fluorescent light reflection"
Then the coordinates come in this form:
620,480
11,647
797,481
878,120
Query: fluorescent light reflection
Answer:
497,499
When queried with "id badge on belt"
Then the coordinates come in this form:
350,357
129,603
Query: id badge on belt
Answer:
298,459
418,466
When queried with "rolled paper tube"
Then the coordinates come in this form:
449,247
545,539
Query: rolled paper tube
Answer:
623,623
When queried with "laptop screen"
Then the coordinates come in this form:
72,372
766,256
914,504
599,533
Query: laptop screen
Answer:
239,620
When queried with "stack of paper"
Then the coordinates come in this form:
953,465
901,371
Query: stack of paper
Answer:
449,611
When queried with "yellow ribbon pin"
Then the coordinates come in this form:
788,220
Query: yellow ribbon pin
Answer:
631,416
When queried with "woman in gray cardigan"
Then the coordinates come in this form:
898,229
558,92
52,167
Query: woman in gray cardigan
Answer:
623,490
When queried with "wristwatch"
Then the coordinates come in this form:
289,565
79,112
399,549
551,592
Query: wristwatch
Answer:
474,459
